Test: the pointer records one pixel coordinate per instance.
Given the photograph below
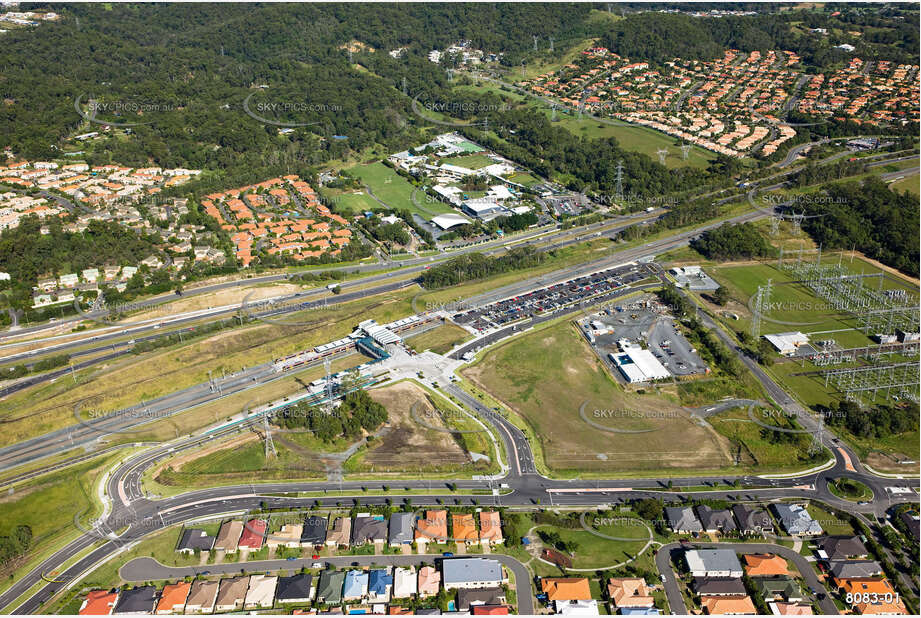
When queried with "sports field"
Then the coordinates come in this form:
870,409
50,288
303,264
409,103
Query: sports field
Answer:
580,414
471,161
395,191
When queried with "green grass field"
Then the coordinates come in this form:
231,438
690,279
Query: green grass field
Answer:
636,138
594,552
439,340
910,183
471,161
395,191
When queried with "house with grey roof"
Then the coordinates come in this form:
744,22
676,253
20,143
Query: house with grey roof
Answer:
401,529
848,569
796,520
369,529
715,520
682,520
140,600
843,548
779,589
718,586
195,539
314,531
713,563
471,573
295,589
753,520
467,599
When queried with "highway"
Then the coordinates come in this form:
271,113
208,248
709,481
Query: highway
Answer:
143,516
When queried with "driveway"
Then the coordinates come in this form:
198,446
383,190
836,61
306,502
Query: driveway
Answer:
148,569
827,605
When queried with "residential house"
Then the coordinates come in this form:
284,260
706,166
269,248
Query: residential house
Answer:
433,528
429,581
714,521
728,605
629,592
847,569
369,529
202,597
765,565
566,588
681,519
228,537
261,592
380,584
913,522
489,610
577,608
313,532
718,586
843,548
401,529
469,598
173,598
231,594
288,536
471,573
140,600
69,280
356,585
98,603
779,608
404,582
753,520
341,534
194,540
463,529
490,528
874,595
779,589
295,589
713,563
253,535
152,262
90,275
796,520
329,590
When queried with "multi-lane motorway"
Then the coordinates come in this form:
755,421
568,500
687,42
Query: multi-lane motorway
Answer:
138,515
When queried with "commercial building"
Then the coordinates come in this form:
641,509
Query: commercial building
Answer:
786,344
638,365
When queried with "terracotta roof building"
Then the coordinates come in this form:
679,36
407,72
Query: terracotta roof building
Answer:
566,588
173,597
629,592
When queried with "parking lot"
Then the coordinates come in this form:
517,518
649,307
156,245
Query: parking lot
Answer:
644,322
550,299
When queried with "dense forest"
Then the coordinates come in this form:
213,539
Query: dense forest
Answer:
877,421
870,217
478,266
732,242
357,413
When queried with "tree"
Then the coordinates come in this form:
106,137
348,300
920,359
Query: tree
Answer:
721,295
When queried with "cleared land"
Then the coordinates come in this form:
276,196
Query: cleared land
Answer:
408,446
547,375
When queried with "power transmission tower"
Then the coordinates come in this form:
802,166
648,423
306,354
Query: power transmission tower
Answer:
269,444
817,436
329,386
404,85
553,113
774,226
551,43
619,186
535,37
685,151
798,221
662,152
450,75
